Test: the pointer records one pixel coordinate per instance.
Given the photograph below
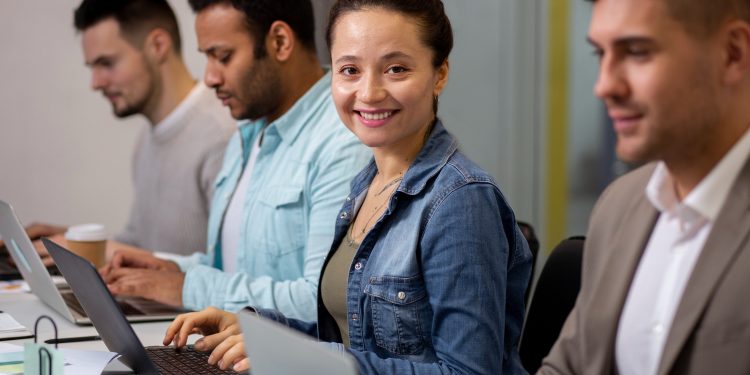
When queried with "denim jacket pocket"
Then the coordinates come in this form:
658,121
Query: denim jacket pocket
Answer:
283,208
399,309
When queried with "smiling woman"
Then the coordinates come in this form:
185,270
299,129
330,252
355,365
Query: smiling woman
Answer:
428,269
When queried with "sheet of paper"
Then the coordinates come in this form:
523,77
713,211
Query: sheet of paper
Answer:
8,324
86,361
77,362
10,355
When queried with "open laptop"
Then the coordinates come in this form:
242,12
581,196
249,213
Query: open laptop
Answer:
109,321
263,339
62,299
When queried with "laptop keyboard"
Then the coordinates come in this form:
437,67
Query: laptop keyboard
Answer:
186,361
72,302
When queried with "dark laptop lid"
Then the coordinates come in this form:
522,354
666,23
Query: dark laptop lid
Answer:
101,308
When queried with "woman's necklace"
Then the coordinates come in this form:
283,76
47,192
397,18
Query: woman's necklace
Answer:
361,232
393,182
375,210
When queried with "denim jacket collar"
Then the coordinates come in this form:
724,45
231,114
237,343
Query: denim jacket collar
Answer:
431,159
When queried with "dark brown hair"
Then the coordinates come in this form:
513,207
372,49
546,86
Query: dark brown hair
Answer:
430,14
135,17
260,14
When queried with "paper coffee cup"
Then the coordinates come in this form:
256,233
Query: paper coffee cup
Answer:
89,241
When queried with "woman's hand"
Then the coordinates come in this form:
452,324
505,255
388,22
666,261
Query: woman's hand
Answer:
214,324
230,354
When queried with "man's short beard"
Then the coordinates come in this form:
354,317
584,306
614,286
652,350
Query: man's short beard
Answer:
265,95
125,112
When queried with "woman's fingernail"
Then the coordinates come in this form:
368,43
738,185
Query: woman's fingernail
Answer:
199,344
221,364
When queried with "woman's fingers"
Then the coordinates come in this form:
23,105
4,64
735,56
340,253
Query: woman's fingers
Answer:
210,342
173,328
235,354
242,365
222,349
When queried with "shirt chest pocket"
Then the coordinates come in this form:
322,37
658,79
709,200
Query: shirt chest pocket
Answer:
282,226
400,313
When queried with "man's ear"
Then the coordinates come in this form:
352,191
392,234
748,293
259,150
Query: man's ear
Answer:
280,41
735,39
158,45
442,77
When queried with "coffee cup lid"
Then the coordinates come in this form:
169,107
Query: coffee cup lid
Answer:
86,232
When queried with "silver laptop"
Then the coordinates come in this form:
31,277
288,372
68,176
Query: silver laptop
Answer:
263,339
61,298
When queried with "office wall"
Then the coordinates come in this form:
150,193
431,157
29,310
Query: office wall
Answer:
491,102
65,159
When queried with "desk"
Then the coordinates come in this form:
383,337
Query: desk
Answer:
26,308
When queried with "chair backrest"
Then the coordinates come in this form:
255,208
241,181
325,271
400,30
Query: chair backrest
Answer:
533,241
553,299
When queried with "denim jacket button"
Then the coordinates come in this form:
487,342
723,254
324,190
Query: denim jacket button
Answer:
401,296
355,317
358,266
343,215
348,199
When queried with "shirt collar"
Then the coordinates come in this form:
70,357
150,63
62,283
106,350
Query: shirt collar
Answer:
291,123
711,193
174,120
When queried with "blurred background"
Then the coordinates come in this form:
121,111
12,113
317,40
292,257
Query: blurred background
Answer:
519,99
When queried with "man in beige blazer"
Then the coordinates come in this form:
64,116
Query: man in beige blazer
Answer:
666,269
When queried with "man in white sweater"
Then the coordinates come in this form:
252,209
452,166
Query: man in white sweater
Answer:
133,50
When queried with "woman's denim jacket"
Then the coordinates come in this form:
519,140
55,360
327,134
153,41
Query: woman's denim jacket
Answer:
437,285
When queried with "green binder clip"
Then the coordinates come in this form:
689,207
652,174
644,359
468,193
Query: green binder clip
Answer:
42,359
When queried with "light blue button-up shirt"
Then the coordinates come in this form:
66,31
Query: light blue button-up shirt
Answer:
300,179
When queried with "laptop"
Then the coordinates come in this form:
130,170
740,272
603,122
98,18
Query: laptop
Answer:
9,271
61,298
263,339
117,334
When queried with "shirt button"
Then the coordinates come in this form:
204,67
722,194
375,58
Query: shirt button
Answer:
401,296
658,329
355,317
344,215
358,266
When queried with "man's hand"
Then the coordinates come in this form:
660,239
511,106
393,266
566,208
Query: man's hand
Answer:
221,332
131,257
158,285
36,231
42,251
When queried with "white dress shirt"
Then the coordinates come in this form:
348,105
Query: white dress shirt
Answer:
669,258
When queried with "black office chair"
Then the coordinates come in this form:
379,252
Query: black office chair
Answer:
528,232
553,298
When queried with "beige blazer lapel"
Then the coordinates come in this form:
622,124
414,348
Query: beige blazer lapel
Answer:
727,237
625,252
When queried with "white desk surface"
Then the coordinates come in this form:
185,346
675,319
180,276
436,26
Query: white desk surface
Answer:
26,308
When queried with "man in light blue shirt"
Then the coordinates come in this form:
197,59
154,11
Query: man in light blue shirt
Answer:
286,171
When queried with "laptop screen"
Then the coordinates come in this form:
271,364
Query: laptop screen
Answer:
101,308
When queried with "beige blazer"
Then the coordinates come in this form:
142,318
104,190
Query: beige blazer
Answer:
711,328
